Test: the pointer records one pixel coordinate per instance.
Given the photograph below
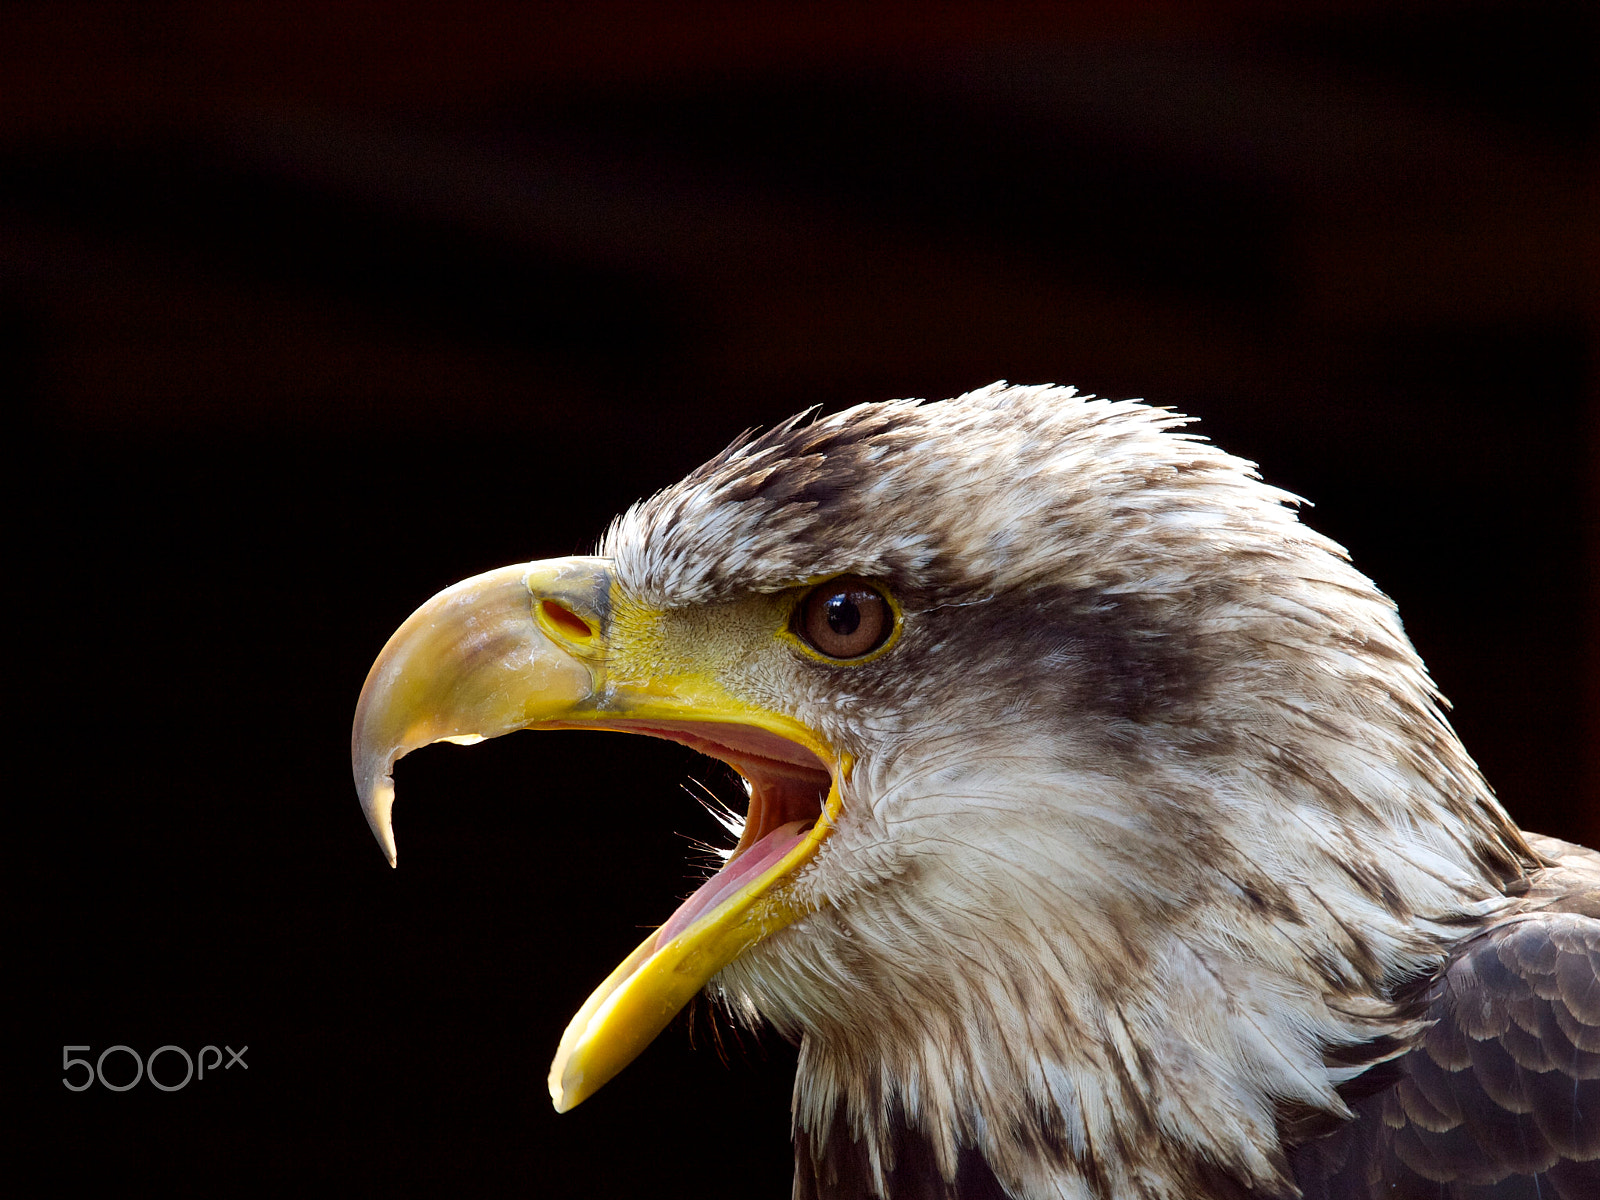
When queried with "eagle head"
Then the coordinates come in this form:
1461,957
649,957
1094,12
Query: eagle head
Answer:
1101,815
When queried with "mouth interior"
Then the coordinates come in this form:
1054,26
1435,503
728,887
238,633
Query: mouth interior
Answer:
788,787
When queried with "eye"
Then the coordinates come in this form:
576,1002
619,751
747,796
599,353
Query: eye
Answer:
844,618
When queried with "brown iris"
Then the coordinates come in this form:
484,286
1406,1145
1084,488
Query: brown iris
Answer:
844,618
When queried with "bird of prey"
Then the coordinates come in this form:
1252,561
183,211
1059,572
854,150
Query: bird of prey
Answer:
1106,836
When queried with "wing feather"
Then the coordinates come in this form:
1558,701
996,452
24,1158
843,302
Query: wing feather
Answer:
1501,1098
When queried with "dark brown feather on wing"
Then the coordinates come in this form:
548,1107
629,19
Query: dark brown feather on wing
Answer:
1501,1098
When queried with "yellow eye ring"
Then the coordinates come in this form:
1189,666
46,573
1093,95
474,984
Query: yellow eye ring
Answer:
845,619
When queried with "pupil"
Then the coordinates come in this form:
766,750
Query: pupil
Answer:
843,615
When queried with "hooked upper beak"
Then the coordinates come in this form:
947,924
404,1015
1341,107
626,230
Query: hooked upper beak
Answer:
505,650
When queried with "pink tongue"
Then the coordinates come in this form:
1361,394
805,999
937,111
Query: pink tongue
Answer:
734,875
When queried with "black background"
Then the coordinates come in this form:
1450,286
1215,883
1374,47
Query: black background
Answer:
309,314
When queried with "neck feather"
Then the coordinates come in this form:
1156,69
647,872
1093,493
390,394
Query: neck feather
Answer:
1101,997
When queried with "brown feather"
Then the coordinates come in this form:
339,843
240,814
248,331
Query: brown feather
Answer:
1501,1097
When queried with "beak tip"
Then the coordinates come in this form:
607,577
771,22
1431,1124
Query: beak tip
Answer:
386,844
377,801
566,1085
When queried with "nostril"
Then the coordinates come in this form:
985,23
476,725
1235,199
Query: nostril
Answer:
564,620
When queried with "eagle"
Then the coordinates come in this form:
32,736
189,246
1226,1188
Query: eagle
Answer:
1106,836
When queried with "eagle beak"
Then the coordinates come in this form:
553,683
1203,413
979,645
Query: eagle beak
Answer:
530,647
499,652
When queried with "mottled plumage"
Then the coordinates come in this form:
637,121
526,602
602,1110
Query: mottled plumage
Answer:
1160,871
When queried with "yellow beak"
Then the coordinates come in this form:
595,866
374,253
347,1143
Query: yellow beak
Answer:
529,647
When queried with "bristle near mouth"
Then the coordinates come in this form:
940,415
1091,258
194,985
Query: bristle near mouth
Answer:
785,781
788,789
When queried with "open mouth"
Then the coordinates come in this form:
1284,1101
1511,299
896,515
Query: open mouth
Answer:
536,646
788,787
794,801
